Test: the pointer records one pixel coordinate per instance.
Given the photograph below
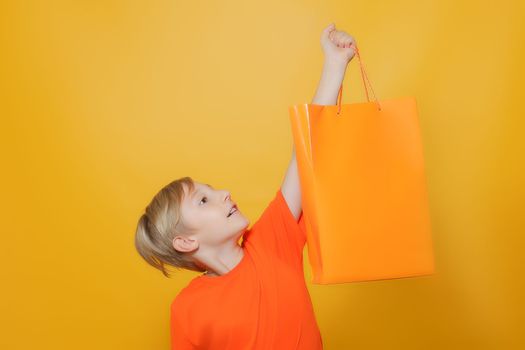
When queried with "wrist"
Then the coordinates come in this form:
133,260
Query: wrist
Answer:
334,66
333,73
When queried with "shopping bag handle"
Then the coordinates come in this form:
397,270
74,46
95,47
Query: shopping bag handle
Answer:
363,76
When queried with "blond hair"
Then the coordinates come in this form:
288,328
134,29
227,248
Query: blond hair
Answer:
158,226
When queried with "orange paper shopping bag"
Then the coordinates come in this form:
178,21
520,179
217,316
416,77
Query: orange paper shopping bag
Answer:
364,195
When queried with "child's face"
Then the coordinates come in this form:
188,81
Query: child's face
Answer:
205,213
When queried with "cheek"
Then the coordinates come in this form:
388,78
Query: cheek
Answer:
188,223
193,219
213,217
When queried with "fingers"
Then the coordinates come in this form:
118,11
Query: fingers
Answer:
348,41
326,32
342,39
330,27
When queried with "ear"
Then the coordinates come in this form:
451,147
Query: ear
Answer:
185,244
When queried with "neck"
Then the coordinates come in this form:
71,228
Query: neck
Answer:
220,262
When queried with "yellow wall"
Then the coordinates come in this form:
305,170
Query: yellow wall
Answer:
105,102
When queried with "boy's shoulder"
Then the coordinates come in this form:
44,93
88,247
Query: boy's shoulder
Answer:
187,295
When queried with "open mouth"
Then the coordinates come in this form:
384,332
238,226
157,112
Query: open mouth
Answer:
233,210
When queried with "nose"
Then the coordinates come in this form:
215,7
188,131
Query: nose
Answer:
228,195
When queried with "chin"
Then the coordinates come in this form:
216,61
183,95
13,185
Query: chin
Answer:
244,227
243,224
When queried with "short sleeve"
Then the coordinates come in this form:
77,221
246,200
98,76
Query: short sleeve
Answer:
278,230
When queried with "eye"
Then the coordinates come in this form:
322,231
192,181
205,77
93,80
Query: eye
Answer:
202,200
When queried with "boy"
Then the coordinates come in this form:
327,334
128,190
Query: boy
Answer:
251,296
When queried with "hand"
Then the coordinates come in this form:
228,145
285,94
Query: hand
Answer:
338,46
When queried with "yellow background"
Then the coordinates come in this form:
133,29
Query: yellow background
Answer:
105,102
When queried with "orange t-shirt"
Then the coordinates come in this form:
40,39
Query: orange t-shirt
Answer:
262,303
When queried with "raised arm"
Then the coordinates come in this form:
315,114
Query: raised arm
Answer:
338,51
